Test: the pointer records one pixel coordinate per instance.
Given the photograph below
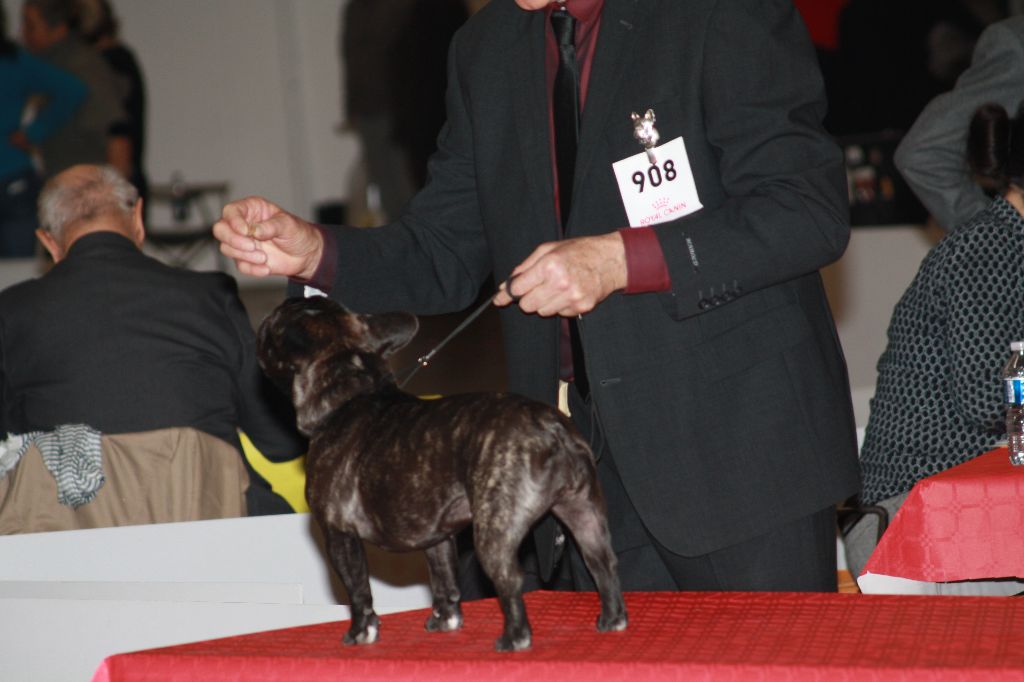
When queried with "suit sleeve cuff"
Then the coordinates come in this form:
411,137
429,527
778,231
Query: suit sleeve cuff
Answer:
646,271
323,277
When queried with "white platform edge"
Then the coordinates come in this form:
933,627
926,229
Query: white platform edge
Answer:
64,640
70,599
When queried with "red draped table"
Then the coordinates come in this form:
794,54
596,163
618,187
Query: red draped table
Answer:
680,636
965,523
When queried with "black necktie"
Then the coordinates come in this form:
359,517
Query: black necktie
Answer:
566,112
566,106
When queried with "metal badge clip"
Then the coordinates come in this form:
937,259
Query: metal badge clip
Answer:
645,132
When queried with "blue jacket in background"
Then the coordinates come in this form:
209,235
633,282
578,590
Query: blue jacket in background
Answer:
22,76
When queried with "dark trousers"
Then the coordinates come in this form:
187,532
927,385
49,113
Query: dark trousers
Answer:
18,195
798,556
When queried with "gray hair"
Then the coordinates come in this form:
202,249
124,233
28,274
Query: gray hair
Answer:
82,193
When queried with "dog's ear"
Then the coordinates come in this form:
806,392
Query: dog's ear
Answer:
390,332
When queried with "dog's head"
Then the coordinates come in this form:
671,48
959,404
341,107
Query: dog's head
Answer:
324,355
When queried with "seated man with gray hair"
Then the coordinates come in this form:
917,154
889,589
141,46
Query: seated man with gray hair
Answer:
121,343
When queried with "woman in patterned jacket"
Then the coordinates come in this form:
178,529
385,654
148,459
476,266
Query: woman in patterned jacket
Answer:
938,399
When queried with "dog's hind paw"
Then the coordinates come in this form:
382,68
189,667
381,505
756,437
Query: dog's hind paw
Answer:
611,623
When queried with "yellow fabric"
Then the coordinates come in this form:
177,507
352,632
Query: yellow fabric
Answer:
288,479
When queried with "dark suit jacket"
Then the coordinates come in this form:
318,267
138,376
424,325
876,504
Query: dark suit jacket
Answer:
117,340
725,400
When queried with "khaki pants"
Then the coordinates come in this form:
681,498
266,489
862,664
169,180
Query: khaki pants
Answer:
177,474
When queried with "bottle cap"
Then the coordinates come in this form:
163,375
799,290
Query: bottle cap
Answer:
1017,346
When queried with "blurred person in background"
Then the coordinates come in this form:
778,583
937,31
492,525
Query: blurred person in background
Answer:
22,78
369,44
932,155
420,70
893,57
49,30
101,28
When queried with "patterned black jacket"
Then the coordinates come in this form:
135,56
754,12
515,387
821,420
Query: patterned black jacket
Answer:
938,401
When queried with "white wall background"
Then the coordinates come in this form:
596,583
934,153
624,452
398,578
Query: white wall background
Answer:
863,286
244,91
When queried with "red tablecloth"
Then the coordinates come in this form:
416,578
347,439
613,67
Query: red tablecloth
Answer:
965,523
691,636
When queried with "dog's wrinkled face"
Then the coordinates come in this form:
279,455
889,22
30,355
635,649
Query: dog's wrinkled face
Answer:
323,355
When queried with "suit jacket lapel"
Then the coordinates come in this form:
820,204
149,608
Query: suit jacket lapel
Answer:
611,59
525,71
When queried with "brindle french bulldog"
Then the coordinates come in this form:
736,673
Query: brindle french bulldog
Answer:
405,473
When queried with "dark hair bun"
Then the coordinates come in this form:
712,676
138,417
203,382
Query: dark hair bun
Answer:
995,146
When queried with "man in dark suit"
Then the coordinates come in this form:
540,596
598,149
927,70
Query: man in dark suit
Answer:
120,342
716,388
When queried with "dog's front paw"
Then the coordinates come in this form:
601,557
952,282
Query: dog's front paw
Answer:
517,642
444,623
366,634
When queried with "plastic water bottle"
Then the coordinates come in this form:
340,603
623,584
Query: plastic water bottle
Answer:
1013,385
